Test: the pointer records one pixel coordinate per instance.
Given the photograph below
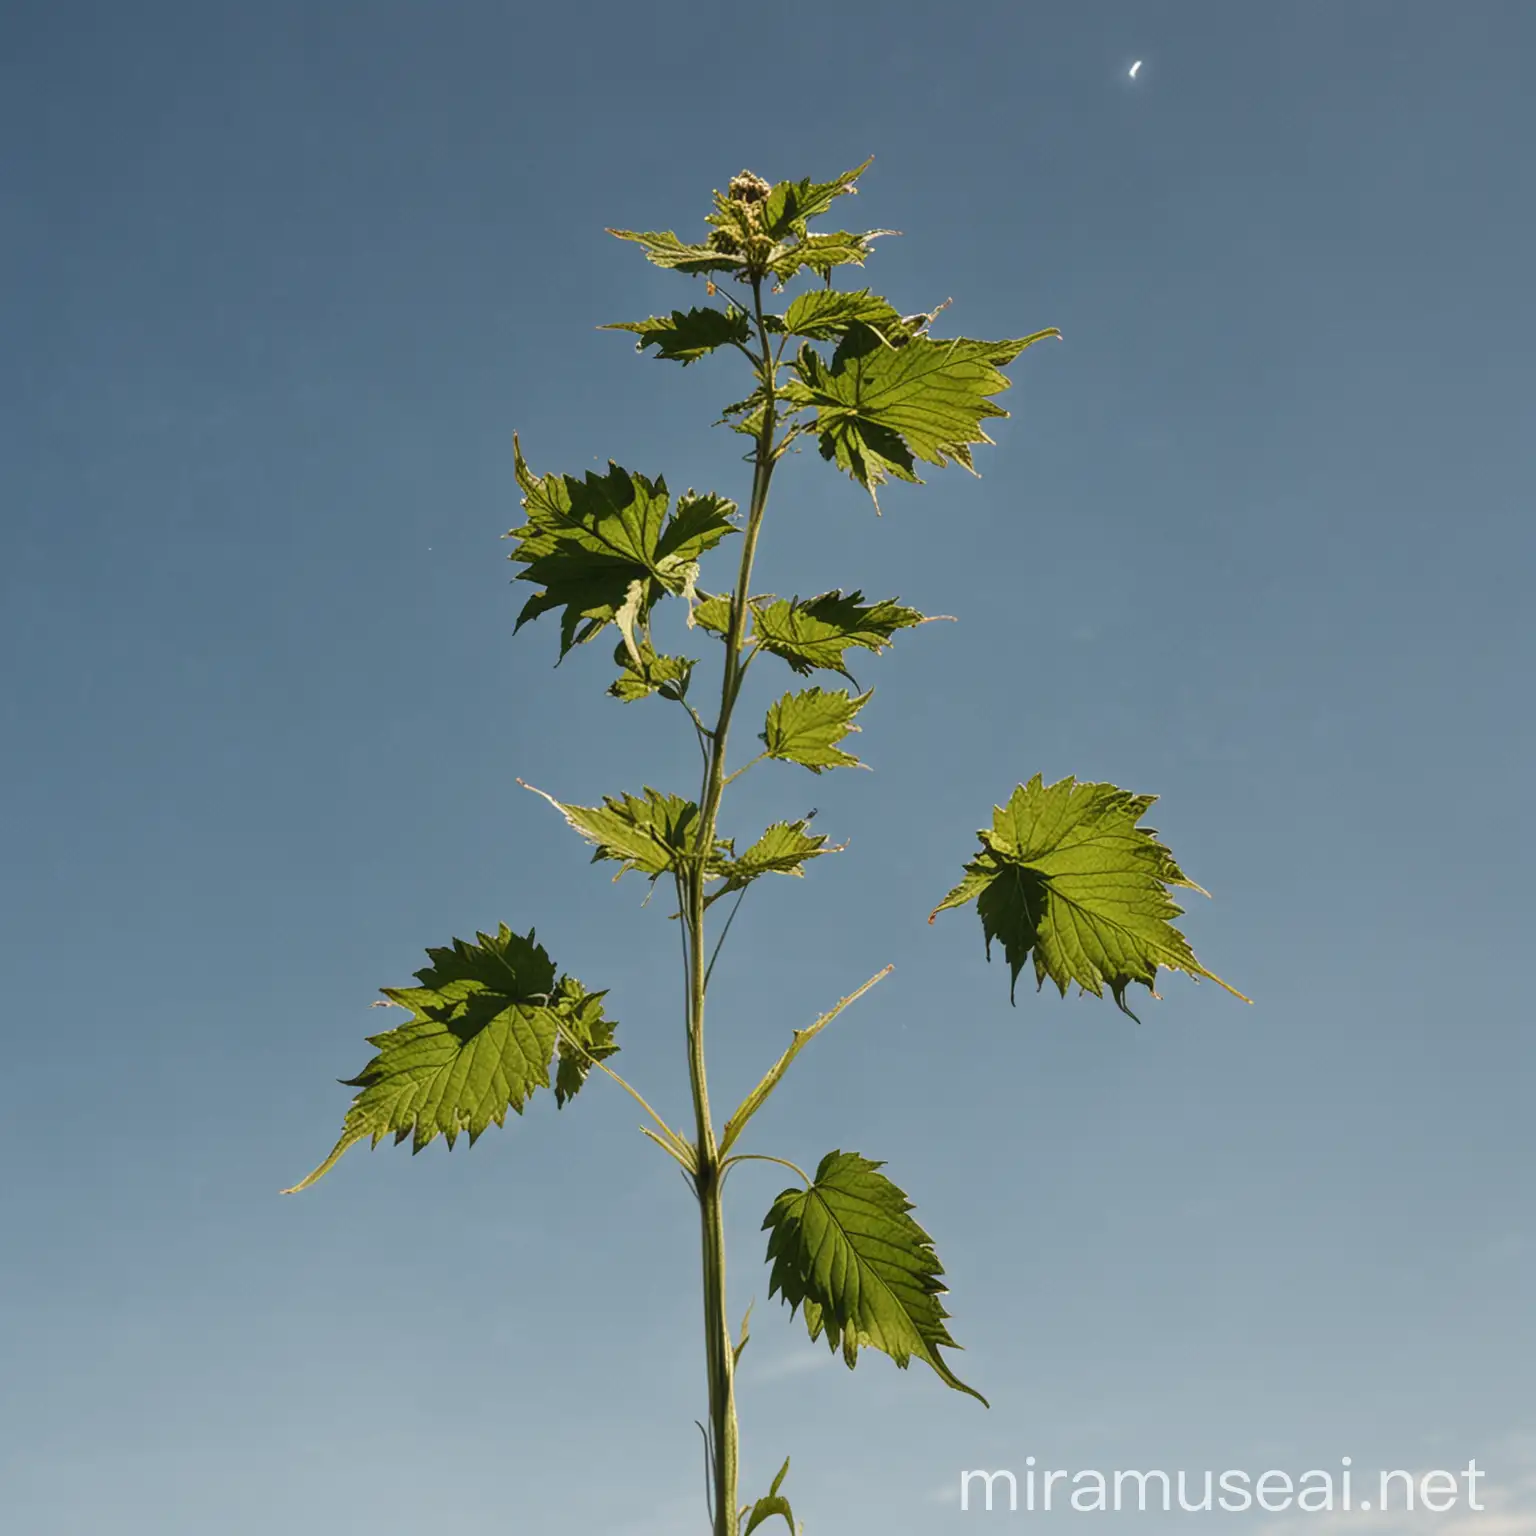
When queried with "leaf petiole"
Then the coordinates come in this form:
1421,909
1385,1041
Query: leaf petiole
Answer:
731,778
762,1157
672,1142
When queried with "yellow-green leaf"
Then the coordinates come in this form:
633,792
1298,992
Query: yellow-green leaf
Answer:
1066,876
486,1026
846,1252
806,727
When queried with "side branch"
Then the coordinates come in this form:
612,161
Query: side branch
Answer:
802,1037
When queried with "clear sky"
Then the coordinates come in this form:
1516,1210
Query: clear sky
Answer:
281,280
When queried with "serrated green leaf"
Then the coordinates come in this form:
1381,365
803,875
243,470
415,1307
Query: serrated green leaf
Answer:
880,408
806,727
827,313
667,675
714,614
781,850
586,1037
664,249
790,397
483,1034
821,253
848,1254
652,832
685,336
816,634
1067,876
588,542
697,524
737,407
790,205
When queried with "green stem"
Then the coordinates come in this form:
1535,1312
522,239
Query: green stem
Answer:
719,1351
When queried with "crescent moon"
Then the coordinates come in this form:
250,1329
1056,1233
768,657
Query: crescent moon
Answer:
1134,68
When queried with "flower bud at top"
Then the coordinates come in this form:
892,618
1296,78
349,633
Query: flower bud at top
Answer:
747,188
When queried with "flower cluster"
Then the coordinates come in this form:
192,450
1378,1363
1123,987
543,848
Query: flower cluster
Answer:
739,230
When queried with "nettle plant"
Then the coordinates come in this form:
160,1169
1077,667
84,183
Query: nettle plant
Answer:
1064,877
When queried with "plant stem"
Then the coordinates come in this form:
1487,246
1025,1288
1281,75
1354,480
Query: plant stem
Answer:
719,1352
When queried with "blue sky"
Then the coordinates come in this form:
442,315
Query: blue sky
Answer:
282,280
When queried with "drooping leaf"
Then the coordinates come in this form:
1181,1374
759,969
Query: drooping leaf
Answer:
816,633
631,613
806,727
685,336
880,408
825,314
848,1254
667,675
588,542
484,1031
765,1509
781,850
1066,875
652,832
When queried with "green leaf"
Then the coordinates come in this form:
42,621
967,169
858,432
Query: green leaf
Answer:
805,728
821,253
714,614
687,335
483,1034
746,1334
588,542
790,397
880,408
652,832
698,523
791,204
826,313
1066,875
755,235
664,249
752,422
817,632
586,1036
771,1504
667,675
847,1252
781,850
